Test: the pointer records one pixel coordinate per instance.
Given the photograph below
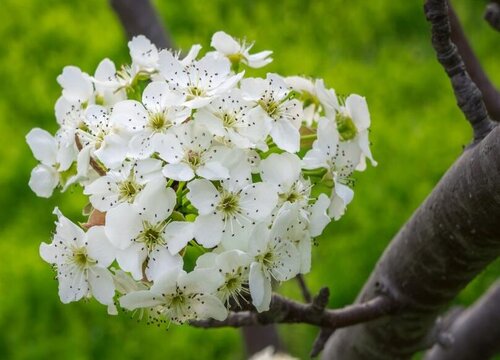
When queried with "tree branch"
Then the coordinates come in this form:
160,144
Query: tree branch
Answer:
492,14
468,96
491,96
138,17
449,239
306,294
283,310
475,332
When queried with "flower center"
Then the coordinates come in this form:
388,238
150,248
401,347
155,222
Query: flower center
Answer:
81,259
267,258
194,158
194,92
229,204
151,235
346,127
270,106
158,122
128,190
228,120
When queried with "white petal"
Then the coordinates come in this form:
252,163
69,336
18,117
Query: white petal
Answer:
224,43
260,287
131,259
208,306
143,52
101,284
161,261
156,202
203,195
319,217
286,136
43,145
179,172
98,246
76,85
123,224
208,230
282,170
178,234
258,200
140,299
157,96
358,109
341,197
43,180
213,170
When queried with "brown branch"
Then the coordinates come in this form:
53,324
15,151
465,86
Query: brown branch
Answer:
306,294
284,310
138,17
491,96
475,332
95,165
492,14
467,94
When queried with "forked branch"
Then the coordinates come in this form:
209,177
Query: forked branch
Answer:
492,14
468,96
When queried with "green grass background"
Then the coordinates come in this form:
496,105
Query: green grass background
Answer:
379,49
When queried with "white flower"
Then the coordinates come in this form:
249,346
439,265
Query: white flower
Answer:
201,80
123,184
81,260
275,257
233,265
188,151
144,54
179,296
238,52
108,88
227,214
340,158
144,232
228,117
284,116
53,158
77,85
308,95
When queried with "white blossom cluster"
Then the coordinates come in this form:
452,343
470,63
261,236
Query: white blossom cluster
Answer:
210,185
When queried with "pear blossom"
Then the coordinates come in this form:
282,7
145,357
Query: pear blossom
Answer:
54,158
184,163
227,214
200,81
81,260
143,232
179,296
238,52
282,115
122,184
274,257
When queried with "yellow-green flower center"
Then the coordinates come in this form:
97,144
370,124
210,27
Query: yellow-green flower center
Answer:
346,127
229,204
151,235
158,122
128,190
81,259
270,106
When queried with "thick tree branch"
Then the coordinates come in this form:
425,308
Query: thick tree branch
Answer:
450,239
138,17
492,14
491,96
468,96
284,310
475,332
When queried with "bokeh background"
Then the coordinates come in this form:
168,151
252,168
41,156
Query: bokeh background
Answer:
379,49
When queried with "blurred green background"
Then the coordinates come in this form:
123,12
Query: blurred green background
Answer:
379,49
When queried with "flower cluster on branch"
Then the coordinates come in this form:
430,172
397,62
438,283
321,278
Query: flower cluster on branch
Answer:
206,187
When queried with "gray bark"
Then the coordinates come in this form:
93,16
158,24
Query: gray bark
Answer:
475,333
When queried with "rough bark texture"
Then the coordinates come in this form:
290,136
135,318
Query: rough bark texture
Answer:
475,333
139,17
491,96
450,239
492,14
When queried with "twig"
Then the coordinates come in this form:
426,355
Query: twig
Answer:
95,165
492,14
306,294
284,310
491,96
467,94
138,17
